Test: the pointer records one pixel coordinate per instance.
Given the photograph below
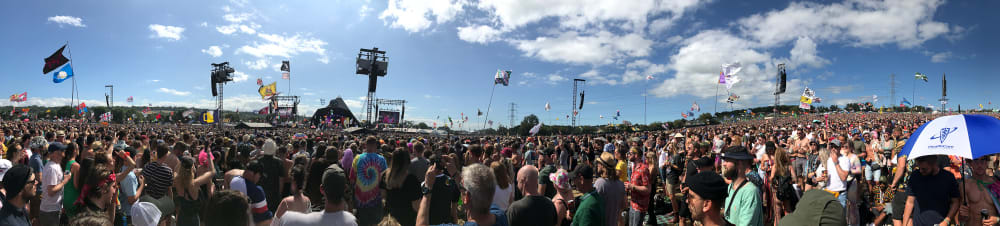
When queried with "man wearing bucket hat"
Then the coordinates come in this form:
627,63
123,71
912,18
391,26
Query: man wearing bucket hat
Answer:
743,205
705,197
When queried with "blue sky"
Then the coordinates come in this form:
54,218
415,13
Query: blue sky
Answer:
444,53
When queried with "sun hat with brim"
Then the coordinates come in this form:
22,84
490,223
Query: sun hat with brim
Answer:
678,135
817,207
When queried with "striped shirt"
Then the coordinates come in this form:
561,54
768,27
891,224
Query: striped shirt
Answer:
159,178
258,202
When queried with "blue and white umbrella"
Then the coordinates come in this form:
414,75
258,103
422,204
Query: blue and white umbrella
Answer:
967,136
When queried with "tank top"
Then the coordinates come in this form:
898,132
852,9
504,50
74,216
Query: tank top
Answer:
187,213
70,192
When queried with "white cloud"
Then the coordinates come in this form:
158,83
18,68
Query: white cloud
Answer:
247,29
479,34
804,54
363,12
323,59
941,57
858,22
173,92
283,46
237,18
258,64
416,15
228,29
213,51
428,96
204,24
154,80
638,70
595,77
67,20
583,13
570,47
166,32
554,78
239,76
308,94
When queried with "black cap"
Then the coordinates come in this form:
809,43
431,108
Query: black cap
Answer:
15,178
334,182
708,185
583,170
737,153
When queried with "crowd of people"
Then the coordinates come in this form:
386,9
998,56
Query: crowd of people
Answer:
836,169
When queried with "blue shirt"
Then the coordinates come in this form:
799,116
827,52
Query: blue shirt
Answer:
129,185
35,162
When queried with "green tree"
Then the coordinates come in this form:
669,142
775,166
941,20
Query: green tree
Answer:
422,126
526,124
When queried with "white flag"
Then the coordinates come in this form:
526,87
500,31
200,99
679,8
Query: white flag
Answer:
547,106
534,130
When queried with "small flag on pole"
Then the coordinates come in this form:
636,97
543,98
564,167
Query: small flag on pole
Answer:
129,99
547,106
502,77
260,82
920,76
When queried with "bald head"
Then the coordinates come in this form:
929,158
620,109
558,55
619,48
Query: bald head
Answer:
527,180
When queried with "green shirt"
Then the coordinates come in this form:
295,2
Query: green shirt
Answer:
746,207
590,211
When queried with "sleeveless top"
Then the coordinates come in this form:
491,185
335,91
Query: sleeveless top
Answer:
187,214
70,193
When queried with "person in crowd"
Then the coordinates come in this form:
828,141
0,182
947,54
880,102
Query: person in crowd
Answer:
247,184
479,185
563,197
534,208
297,201
783,195
96,197
743,205
366,169
335,211
610,188
230,208
705,196
188,186
159,178
590,206
72,190
130,186
18,183
504,194
932,195
273,174
979,192
145,214
638,188
53,180
419,162
39,145
546,160
401,188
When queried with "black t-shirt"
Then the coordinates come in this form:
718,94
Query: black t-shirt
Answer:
444,193
532,210
543,180
675,168
399,200
933,192
690,169
270,180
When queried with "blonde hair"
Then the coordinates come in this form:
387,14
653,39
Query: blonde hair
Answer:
502,174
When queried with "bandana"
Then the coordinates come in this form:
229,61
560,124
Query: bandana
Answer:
87,188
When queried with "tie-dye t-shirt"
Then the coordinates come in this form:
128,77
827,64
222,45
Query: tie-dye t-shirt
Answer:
366,169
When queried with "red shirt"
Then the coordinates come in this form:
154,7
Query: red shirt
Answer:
640,177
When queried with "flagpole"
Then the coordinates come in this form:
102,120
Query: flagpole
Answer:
716,111
490,104
73,92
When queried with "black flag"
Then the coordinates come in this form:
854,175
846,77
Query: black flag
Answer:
285,67
944,85
52,62
581,99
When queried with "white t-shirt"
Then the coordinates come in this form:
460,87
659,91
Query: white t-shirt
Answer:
835,183
52,174
501,197
318,218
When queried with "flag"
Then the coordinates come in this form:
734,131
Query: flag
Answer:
129,99
874,98
260,82
479,112
685,116
804,106
980,106
534,130
664,125
207,117
920,76
263,111
188,113
695,107
722,78
268,90
106,117
285,66
906,102
818,100
19,97
649,77
490,122
732,98
54,61
547,106
601,116
62,74
730,71
731,80
285,76
691,114
502,77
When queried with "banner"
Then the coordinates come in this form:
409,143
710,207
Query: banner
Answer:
502,77
64,73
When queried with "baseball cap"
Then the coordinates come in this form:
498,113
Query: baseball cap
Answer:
817,207
57,146
708,185
334,182
145,214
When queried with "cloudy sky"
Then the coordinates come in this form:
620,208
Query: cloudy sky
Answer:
443,53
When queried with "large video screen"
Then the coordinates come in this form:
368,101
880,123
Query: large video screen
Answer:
389,117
